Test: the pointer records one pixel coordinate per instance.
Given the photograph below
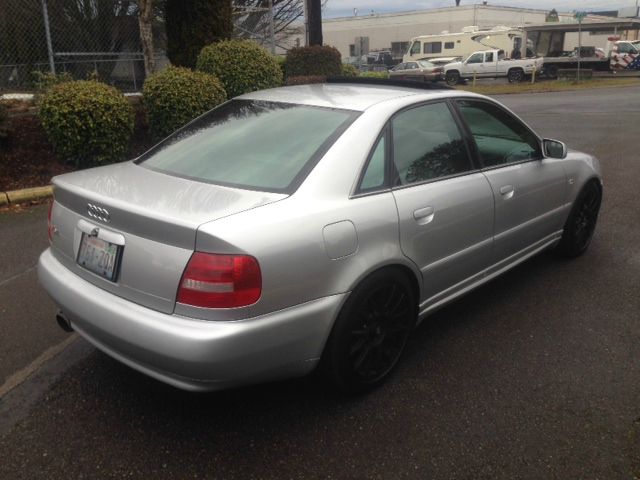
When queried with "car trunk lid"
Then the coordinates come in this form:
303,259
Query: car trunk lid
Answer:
155,216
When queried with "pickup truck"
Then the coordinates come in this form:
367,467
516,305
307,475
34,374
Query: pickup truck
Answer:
491,64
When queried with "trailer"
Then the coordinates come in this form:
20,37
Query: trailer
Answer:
619,53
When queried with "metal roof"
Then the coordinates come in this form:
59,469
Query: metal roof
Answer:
587,25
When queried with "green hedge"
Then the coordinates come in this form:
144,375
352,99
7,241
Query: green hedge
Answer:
374,74
88,123
241,65
349,70
177,95
313,60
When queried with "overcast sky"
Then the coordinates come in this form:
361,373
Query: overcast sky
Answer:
344,8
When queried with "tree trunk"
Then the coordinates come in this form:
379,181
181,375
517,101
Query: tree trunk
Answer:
145,18
314,13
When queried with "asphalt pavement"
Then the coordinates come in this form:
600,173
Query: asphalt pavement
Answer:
533,376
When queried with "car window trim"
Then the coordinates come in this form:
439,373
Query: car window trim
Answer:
295,182
455,103
359,191
394,179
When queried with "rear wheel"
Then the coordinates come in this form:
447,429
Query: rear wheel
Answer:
551,71
370,332
452,78
578,231
515,75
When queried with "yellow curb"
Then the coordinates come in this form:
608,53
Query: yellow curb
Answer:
3,199
28,194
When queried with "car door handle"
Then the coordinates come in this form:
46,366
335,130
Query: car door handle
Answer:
424,215
507,191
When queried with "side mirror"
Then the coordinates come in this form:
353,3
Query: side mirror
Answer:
554,148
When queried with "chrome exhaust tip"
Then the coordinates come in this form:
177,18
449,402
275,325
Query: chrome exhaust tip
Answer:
64,323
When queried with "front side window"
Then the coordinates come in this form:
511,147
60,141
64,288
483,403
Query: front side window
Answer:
415,48
500,138
427,144
257,145
475,58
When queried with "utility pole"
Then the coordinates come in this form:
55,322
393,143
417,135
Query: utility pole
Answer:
579,16
271,29
47,32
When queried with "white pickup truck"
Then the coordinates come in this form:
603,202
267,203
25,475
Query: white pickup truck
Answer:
491,64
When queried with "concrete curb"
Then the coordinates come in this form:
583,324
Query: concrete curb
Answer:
25,195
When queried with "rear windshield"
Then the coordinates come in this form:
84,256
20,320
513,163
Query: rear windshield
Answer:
251,144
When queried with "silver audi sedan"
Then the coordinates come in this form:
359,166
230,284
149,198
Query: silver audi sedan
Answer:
307,226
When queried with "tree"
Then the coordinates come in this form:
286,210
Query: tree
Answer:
192,24
145,17
314,14
252,16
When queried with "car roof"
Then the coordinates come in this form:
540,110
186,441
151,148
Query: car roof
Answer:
349,96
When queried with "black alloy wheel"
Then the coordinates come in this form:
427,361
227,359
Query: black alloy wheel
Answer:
452,78
578,231
515,75
371,332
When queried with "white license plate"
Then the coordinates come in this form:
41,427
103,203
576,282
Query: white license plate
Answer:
99,256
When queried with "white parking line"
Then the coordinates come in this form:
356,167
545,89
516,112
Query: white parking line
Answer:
21,375
18,275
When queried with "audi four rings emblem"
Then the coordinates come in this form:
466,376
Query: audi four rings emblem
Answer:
98,213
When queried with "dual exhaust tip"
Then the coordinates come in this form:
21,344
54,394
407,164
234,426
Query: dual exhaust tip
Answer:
64,322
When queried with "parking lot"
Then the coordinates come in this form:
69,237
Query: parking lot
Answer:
535,375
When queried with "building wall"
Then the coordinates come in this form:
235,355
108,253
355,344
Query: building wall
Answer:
383,29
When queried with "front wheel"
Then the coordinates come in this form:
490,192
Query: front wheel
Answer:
370,332
578,231
515,75
452,78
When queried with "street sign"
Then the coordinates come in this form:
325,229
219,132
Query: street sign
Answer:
579,16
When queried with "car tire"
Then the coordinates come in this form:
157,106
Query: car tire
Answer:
581,223
371,332
452,78
515,75
551,71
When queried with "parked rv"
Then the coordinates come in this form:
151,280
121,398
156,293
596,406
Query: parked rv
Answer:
463,44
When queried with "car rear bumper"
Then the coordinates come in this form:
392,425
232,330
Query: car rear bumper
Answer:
188,353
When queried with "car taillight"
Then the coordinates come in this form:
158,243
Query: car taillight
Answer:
437,70
50,226
220,281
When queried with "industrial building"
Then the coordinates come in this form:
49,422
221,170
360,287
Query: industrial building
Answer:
369,31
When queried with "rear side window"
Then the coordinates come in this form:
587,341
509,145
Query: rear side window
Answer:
373,177
500,138
427,144
432,47
249,144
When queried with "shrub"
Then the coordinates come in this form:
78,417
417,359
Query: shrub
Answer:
313,60
374,74
5,127
306,79
88,123
177,95
43,81
349,70
241,65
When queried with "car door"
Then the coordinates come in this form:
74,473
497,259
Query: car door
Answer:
474,65
445,205
529,190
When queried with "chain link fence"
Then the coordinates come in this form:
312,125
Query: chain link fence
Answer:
80,37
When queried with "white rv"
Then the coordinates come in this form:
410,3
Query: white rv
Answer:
465,43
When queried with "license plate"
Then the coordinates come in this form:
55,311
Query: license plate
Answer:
99,256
